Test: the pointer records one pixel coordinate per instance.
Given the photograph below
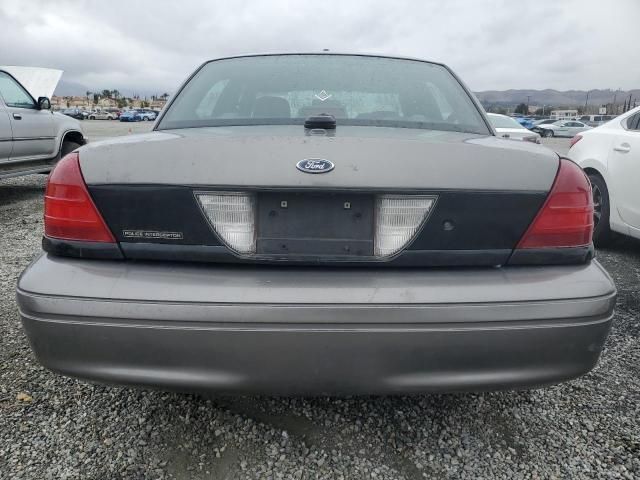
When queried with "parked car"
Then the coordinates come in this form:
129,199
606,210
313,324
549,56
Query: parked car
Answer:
253,243
102,115
130,116
147,115
508,127
526,122
596,120
610,155
543,121
32,137
74,113
561,128
114,111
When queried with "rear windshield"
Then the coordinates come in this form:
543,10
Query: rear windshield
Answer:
356,90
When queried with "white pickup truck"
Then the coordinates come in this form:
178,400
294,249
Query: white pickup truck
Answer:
32,137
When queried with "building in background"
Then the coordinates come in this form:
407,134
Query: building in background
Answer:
564,114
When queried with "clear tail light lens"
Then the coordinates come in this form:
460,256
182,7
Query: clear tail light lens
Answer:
398,218
69,211
232,216
566,218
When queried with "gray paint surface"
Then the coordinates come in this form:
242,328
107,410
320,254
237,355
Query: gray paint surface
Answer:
364,157
184,282
312,331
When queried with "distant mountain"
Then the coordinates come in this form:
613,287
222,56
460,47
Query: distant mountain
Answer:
569,98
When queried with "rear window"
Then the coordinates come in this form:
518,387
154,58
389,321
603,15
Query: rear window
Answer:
357,90
502,121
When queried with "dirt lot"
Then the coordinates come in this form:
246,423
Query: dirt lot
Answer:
100,129
53,427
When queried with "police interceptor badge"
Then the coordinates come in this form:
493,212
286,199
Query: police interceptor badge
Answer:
152,235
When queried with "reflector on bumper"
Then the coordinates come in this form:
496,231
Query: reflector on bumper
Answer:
232,216
398,218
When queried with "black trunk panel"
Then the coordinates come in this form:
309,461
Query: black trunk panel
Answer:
478,220
465,228
142,208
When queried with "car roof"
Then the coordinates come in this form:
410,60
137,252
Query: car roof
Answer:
37,81
350,54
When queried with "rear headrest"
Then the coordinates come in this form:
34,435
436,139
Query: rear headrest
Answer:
271,107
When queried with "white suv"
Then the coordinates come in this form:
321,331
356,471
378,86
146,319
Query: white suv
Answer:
32,137
610,155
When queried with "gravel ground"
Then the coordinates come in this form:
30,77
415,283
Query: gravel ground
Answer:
100,129
53,427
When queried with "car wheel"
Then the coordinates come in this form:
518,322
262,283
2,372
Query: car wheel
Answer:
68,147
602,234
547,133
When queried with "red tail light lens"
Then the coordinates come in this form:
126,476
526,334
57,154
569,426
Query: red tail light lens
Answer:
566,218
69,212
575,139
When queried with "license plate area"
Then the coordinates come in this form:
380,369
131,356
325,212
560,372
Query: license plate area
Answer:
315,225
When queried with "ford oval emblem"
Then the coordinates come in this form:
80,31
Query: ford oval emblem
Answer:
315,165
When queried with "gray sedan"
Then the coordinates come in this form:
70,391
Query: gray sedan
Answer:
318,224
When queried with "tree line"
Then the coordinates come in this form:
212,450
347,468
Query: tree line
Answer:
121,100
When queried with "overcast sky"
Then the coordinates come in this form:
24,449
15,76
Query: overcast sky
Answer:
150,46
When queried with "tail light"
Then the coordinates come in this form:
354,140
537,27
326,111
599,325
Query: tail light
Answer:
566,218
398,218
232,216
575,139
69,211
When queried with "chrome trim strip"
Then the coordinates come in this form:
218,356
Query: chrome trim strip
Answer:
22,139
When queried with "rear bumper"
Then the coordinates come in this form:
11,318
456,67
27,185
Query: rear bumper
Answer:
315,331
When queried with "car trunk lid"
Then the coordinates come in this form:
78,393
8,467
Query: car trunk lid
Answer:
478,194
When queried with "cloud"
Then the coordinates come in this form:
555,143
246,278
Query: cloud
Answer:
151,46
